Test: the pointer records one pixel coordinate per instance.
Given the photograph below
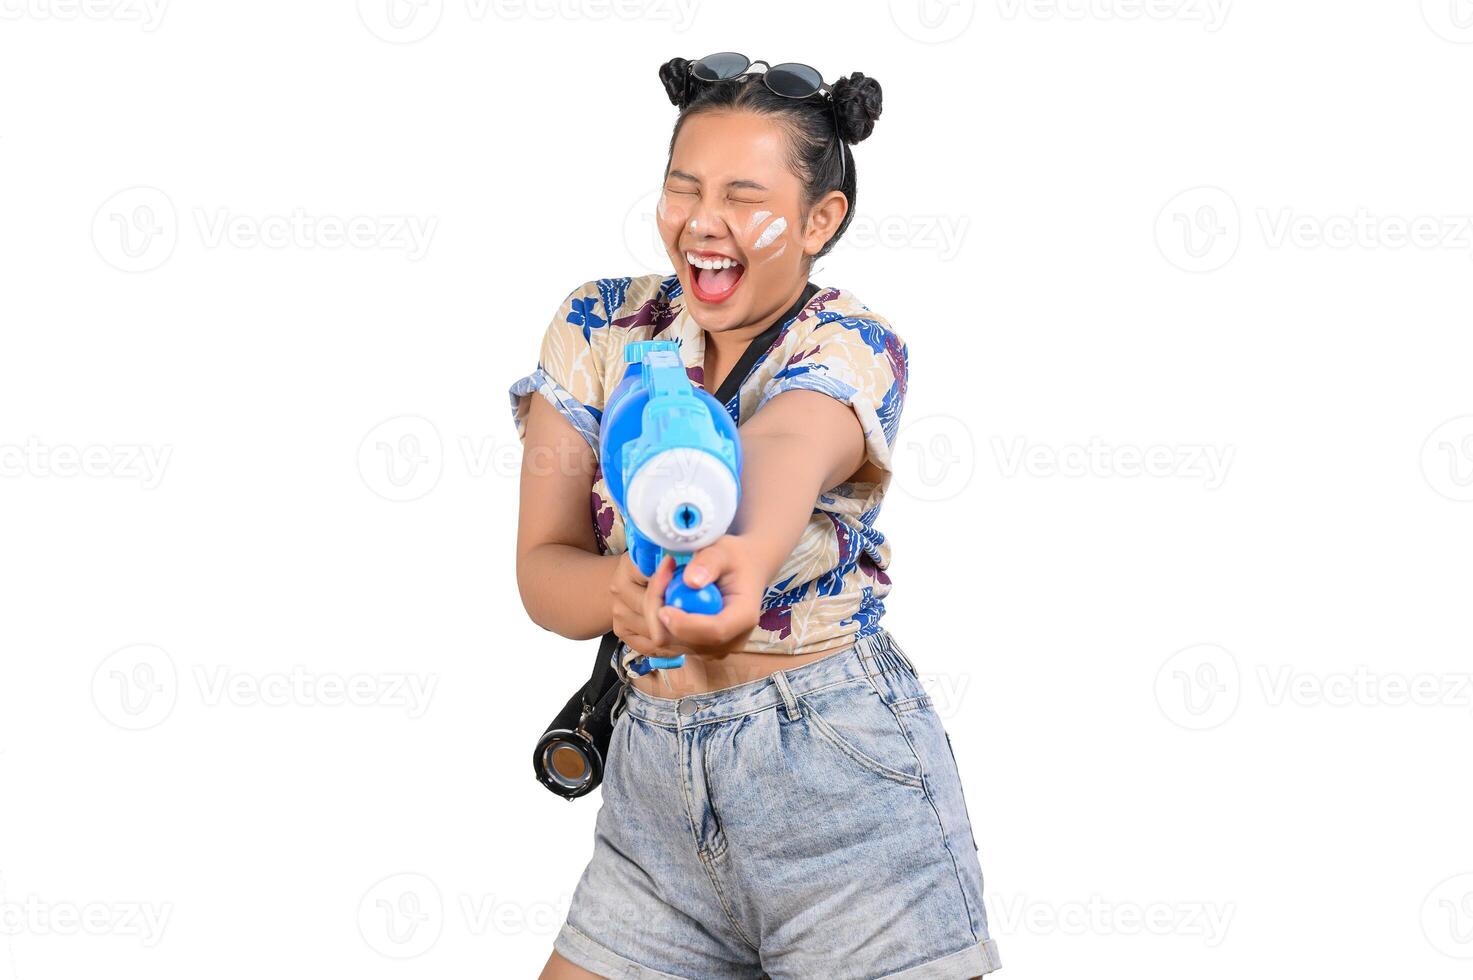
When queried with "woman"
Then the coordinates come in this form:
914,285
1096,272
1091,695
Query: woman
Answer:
786,803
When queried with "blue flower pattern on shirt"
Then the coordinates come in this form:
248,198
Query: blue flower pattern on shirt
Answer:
582,315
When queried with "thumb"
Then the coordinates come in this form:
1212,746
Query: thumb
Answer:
706,566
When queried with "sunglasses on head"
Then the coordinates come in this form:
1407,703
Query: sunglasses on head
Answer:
791,80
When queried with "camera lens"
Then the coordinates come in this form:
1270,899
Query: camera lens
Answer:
568,763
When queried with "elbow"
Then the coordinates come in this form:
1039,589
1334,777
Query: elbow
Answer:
549,610
567,630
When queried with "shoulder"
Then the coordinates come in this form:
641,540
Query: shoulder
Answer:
838,315
623,302
839,347
837,326
583,348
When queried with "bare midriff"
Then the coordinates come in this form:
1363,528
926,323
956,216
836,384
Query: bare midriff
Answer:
702,674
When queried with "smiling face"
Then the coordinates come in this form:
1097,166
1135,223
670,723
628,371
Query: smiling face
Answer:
732,219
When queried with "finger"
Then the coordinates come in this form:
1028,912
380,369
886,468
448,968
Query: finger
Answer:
629,621
700,629
630,597
622,592
654,598
641,645
706,566
636,574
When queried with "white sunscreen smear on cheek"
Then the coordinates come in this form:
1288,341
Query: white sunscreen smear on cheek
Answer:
780,250
757,219
770,234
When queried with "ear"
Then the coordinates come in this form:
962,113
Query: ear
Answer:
824,218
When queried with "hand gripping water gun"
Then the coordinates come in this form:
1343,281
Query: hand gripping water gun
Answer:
673,461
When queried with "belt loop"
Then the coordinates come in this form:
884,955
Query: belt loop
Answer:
621,702
791,703
871,651
900,655
616,660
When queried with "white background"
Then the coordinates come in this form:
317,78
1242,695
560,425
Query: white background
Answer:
1181,526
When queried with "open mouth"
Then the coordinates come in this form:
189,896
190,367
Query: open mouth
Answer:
713,276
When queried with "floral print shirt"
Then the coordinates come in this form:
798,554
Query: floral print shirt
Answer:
831,590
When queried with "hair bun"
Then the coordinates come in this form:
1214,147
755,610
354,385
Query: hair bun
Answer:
858,100
672,76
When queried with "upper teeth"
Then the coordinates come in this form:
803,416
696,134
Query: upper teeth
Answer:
715,263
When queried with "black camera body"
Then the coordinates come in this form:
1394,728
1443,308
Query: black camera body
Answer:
569,757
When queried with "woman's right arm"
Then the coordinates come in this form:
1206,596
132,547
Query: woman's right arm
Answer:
563,580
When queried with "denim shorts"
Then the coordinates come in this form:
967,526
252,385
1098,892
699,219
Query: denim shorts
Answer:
807,824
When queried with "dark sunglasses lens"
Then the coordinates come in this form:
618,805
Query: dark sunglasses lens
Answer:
794,80
726,64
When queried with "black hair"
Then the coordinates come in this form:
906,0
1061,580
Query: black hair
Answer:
813,152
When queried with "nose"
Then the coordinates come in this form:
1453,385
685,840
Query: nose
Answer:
707,220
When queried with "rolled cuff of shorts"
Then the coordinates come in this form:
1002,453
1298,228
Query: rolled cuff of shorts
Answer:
974,961
539,382
577,948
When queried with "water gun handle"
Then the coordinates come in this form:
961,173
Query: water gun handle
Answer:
705,601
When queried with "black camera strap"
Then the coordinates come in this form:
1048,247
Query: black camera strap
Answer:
759,347
603,684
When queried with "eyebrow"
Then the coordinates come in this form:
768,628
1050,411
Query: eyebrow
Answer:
742,183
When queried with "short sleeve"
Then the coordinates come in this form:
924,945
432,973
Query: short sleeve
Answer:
568,372
862,363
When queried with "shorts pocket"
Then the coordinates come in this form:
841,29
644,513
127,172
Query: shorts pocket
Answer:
854,718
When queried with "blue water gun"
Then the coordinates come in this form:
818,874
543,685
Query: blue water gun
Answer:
673,462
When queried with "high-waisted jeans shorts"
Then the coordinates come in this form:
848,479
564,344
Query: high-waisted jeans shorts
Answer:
807,824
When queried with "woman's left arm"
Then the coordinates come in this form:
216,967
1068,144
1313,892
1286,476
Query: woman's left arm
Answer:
799,444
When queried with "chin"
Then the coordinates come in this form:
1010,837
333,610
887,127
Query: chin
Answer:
716,319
